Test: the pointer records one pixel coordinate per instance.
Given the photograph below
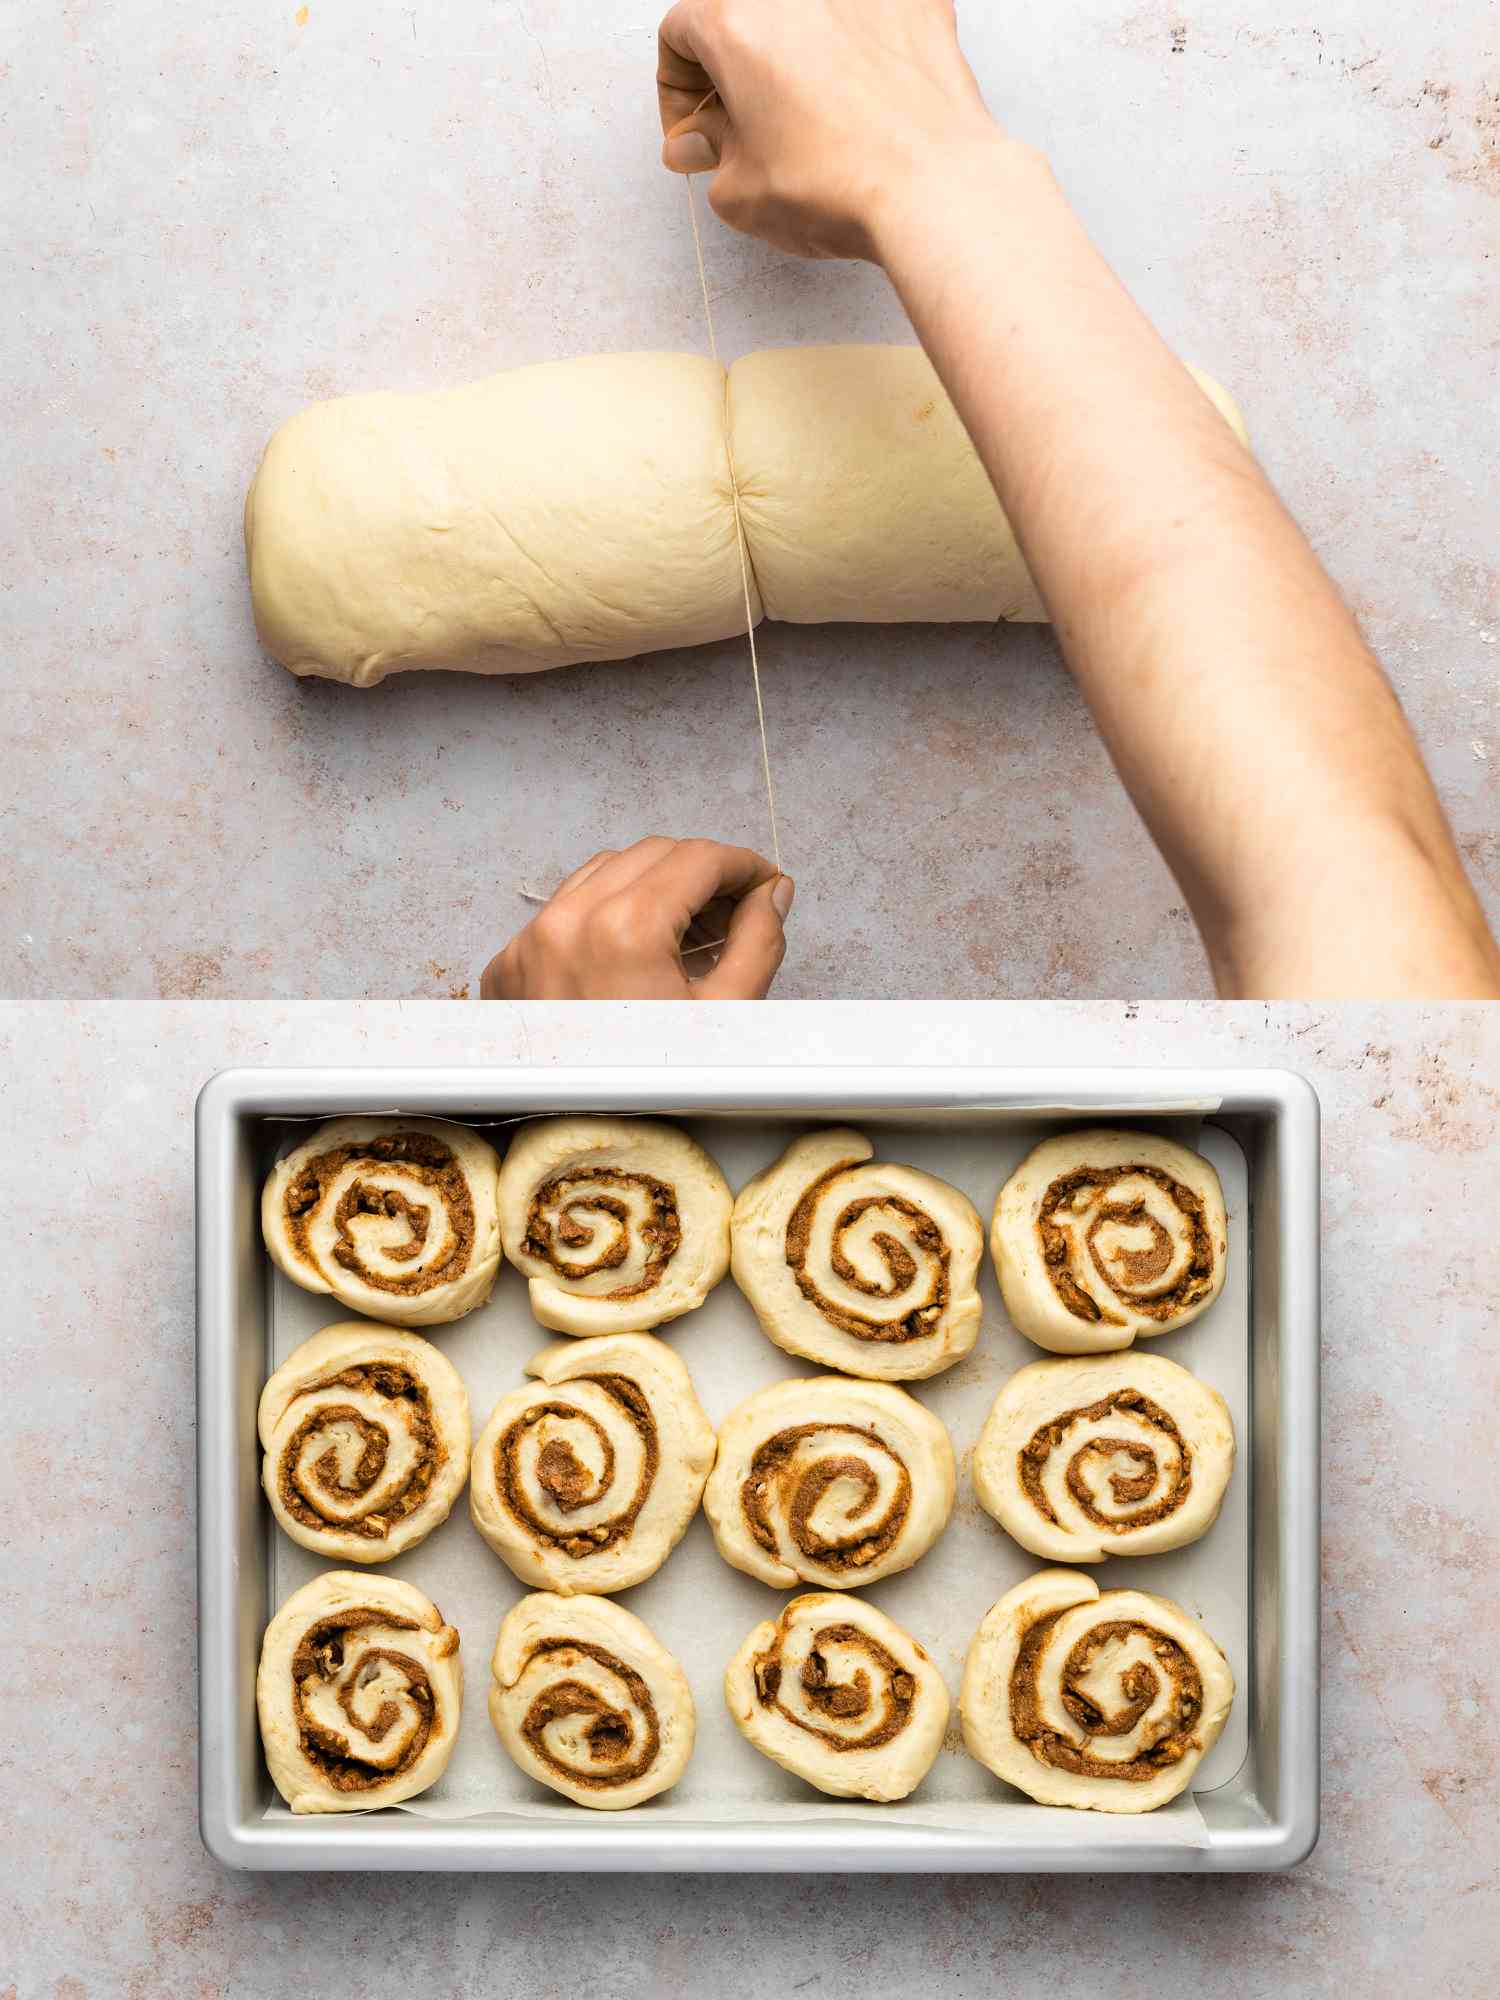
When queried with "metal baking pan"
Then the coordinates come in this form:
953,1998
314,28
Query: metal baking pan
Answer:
1263,1816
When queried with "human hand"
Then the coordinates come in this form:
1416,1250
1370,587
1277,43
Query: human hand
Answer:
626,926
819,112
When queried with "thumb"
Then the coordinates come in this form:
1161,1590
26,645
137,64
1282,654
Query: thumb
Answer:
695,145
755,945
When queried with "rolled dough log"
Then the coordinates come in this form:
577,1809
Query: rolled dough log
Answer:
583,510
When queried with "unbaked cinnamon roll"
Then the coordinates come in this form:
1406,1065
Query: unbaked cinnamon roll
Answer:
1107,1455
395,1217
587,1700
359,1692
857,1264
837,1693
587,1480
618,1224
365,1431
1103,1236
1108,1701
829,1481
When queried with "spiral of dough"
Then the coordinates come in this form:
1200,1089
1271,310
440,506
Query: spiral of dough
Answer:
1101,1236
1105,1455
829,1481
587,1700
839,1694
395,1217
857,1264
365,1431
618,1224
1104,1700
359,1692
586,1480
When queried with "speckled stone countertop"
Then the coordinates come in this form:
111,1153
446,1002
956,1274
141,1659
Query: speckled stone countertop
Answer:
107,1892
235,209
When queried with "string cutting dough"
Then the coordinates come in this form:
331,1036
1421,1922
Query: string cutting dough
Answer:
593,510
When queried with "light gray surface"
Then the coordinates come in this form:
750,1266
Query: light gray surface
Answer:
227,213
106,1891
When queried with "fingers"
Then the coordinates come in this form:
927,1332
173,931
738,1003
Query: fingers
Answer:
581,875
681,883
500,979
616,927
615,870
755,947
682,82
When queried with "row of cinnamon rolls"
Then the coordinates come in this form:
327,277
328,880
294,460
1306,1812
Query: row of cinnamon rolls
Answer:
621,1225
585,1479
1103,1700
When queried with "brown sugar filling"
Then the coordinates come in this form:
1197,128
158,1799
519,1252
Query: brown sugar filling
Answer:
564,1477
660,1232
1128,1489
842,1701
1139,1685
425,1160
329,1650
1141,1266
411,1408
610,1734
774,1480
921,1319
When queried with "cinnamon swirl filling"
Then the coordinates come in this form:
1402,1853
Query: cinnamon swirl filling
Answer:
432,1208
364,1709
333,1468
1134,1234
542,1448
915,1271
601,1219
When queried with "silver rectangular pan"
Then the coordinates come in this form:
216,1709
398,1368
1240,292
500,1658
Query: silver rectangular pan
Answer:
1265,1817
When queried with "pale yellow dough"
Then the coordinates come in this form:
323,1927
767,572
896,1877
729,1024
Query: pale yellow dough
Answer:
577,510
1145,1741
584,1204
369,1716
582,510
586,1699
369,1428
878,1738
586,1480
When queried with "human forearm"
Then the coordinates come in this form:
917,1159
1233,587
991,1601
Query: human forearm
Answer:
1255,732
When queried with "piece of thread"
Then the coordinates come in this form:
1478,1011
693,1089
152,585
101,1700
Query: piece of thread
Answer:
739,531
